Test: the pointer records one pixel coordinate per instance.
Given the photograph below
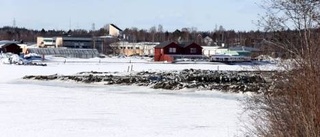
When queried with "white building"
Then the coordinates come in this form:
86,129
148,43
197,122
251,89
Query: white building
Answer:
213,50
140,48
114,30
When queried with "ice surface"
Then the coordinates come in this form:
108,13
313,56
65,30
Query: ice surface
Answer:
51,109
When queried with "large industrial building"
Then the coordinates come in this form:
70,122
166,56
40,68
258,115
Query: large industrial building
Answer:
68,42
69,46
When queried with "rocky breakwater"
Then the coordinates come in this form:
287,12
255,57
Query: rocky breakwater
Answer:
229,81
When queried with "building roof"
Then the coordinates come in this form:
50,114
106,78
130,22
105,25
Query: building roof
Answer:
213,47
164,44
116,27
7,44
186,44
182,44
78,38
243,48
8,41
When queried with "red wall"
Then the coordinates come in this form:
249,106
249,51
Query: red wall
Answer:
157,54
167,58
162,54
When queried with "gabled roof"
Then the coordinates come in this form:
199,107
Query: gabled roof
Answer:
185,44
7,41
208,37
182,44
243,48
116,27
164,44
7,44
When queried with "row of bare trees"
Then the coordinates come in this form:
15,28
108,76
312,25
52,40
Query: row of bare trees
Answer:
264,40
154,34
218,36
291,107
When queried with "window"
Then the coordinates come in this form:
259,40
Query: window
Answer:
172,50
193,50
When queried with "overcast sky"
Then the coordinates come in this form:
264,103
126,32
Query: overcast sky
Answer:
143,14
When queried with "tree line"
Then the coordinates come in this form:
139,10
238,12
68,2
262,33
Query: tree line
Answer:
258,39
134,34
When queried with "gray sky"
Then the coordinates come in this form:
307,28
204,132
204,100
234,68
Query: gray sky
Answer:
143,14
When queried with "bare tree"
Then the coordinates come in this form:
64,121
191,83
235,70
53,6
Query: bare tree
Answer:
291,106
161,33
186,34
194,33
153,31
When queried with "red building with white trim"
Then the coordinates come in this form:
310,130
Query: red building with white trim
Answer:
170,51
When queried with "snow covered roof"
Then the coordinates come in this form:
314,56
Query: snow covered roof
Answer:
243,48
214,47
7,41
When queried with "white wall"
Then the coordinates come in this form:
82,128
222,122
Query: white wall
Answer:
212,50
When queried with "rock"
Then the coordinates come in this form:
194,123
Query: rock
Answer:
158,85
28,77
228,81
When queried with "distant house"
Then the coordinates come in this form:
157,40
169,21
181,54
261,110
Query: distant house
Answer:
114,30
46,42
10,46
208,41
170,51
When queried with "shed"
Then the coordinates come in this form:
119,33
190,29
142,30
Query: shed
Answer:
10,47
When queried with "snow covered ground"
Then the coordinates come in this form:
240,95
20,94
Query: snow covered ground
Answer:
51,109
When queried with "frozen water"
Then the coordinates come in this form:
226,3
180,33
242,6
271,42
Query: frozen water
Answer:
51,109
